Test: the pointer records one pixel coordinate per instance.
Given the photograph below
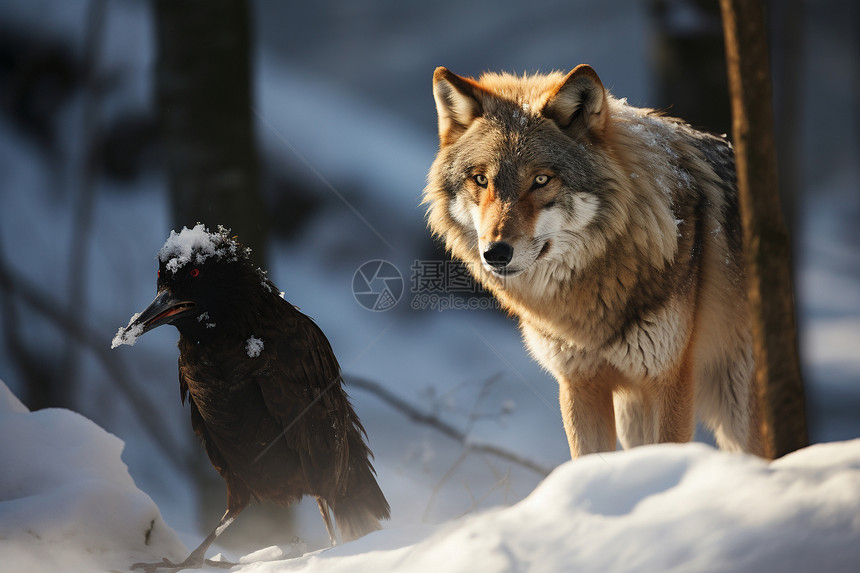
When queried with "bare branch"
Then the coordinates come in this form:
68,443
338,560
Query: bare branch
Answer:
438,487
31,295
82,220
419,417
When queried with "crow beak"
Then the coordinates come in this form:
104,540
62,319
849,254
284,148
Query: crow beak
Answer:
163,310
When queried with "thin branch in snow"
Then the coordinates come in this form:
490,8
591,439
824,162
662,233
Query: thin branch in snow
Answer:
438,487
469,445
82,221
423,418
447,401
31,295
503,482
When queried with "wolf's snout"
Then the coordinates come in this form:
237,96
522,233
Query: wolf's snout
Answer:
498,254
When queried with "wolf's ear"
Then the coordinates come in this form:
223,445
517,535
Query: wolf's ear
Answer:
579,105
457,103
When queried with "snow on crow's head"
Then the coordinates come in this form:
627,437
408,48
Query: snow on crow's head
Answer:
195,246
204,279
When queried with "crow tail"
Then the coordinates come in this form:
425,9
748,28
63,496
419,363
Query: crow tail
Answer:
358,510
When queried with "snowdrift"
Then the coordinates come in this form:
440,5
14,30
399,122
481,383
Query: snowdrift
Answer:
668,507
67,503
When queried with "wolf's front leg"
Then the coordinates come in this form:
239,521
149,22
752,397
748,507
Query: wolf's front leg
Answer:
673,396
588,415
635,417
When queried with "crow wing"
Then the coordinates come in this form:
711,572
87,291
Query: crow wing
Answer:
211,434
301,384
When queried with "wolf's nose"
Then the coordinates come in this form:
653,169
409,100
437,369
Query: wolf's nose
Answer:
498,254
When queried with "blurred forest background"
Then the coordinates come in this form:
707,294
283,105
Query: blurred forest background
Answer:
308,129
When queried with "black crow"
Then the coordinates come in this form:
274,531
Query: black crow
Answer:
264,387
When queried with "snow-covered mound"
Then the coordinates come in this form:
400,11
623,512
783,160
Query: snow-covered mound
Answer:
659,508
67,502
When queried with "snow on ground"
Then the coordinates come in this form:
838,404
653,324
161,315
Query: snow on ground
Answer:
67,503
668,507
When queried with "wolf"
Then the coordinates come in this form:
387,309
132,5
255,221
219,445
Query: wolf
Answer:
612,234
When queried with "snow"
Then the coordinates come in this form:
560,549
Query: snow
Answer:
67,503
296,549
205,316
197,244
657,508
127,334
253,346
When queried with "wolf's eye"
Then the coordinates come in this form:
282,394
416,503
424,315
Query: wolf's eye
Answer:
194,272
481,179
541,180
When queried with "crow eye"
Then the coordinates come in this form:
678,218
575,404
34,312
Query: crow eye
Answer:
481,179
541,180
194,272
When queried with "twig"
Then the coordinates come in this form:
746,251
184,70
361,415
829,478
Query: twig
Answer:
438,487
504,481
144,408
419,417
82,221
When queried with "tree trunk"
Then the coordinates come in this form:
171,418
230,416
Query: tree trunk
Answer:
766,243
203,91
203,87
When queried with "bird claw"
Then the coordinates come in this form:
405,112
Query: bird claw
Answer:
187,564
